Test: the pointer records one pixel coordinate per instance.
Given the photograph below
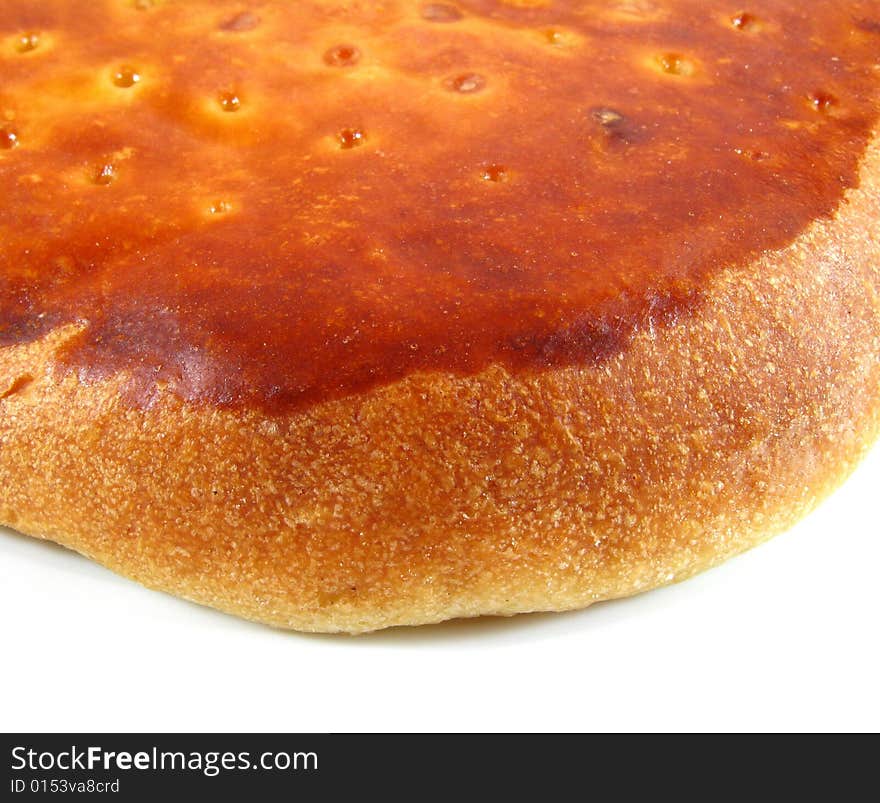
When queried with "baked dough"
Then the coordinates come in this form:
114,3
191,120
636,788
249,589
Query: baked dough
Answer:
340,316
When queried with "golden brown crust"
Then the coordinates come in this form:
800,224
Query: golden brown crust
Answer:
474,325
531,181
440,496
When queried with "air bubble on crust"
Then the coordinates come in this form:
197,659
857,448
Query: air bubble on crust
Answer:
220,207
614,125
229,101
606,116
8,139
557,37
676,64
350,138
466,83
495,173
823,101
752,155
27,42
342,56
440,12
126,77
745,21
104,174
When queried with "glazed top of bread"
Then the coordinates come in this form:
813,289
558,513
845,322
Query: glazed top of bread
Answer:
273,204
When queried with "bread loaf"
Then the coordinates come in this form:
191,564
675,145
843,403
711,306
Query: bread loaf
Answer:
340,316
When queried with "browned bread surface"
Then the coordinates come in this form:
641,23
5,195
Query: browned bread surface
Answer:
343,316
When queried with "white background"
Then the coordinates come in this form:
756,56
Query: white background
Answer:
785,637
